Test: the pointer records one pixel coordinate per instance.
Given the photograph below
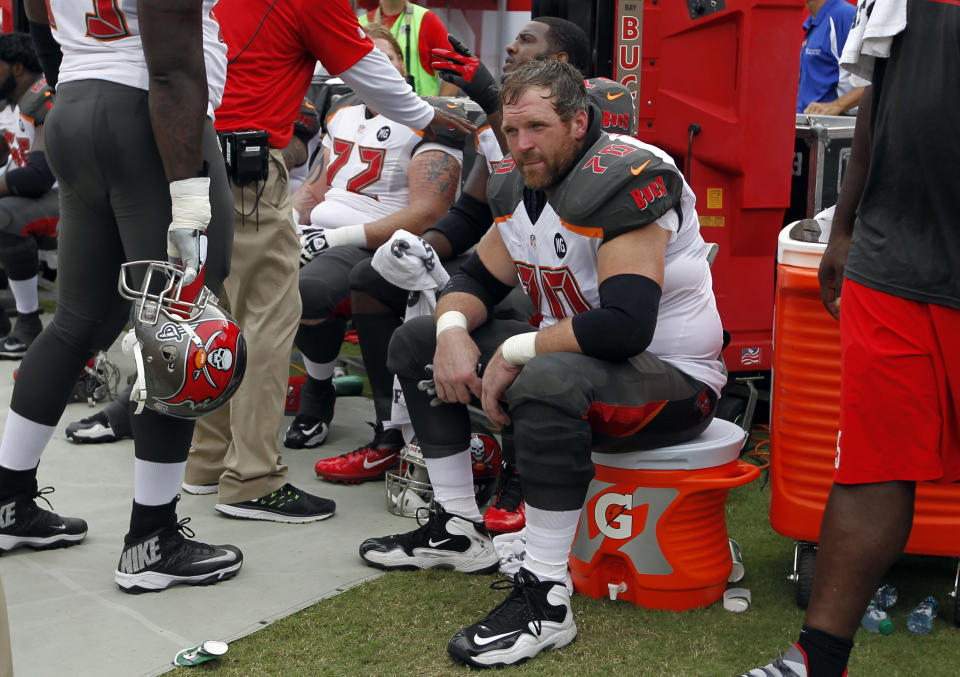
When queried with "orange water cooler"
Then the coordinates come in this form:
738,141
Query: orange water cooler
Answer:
804,419
653,529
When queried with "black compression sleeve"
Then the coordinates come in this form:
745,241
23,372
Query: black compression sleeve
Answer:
465,223
624,323
33,180
474,278
48,51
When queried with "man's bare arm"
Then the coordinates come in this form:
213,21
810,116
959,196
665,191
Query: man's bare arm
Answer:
295,153
311,193
172,36
433,179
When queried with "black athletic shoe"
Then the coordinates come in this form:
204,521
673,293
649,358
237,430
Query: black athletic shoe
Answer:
444,541
23,522
536,616
27,328
286,504
95,429
167,557
312,423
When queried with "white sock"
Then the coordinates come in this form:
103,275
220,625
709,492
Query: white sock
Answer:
452,481
25,294
550,535
319,370
156,483
23,442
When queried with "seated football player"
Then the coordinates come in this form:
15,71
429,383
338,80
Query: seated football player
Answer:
603,235
378,307
376,177
29,206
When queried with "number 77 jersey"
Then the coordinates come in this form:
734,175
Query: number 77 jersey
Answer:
100,40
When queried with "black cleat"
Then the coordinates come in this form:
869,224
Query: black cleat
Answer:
24,523
166,557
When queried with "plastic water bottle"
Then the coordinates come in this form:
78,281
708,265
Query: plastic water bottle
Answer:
920,620
885,596
876,620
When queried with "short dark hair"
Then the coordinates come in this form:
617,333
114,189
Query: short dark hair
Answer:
566,36
18,48
563,80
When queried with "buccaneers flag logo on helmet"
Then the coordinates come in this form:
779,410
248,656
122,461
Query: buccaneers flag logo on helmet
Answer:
190,354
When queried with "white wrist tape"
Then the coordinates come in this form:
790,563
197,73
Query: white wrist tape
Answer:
451,319
347,235
190,205
520,349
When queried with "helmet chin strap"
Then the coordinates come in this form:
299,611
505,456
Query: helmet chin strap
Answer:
131,347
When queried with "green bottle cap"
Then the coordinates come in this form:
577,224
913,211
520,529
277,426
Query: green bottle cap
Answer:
886,626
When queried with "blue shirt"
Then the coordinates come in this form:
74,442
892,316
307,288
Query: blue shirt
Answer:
820,76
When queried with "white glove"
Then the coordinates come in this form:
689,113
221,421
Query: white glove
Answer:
312,242
190,209
315,240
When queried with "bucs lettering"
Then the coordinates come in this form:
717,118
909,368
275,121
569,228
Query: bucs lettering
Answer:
620,121
653,190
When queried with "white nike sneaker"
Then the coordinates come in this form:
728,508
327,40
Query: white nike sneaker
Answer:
444,541
791,664
536,616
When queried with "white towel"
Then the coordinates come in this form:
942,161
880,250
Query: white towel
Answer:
410,263
874,27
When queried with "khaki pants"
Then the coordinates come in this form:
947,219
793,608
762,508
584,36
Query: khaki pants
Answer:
237,445
6,657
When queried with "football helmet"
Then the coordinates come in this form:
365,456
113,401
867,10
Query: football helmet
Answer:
190,353
408,486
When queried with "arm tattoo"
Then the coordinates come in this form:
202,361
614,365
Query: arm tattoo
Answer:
436,176
295,153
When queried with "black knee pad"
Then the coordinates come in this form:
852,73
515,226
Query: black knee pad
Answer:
553,456
364,278
18,254
412,347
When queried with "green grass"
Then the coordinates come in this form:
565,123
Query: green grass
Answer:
399,624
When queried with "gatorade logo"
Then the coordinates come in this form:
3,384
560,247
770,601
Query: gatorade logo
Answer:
611,516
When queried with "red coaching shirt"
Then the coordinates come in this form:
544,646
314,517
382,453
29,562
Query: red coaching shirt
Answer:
272,50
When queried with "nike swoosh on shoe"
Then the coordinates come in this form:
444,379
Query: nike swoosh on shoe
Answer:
314,429
228,557
483,641
367,465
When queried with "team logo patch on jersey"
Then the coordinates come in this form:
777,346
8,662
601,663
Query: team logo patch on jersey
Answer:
560,245
383,133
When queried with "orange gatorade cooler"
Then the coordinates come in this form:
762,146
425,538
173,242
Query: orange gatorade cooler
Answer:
805,414
653,530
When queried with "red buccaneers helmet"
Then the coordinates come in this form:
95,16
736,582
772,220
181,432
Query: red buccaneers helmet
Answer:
190,353
408,486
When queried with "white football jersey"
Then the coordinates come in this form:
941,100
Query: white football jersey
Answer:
100,40
368,168
557,266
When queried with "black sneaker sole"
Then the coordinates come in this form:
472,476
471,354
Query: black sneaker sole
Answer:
268,515
156,582
34,543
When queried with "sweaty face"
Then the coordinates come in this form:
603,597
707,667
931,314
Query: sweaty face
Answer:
530,43
543,145
395,58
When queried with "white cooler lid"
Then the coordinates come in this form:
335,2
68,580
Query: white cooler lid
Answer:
792,252
719,444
